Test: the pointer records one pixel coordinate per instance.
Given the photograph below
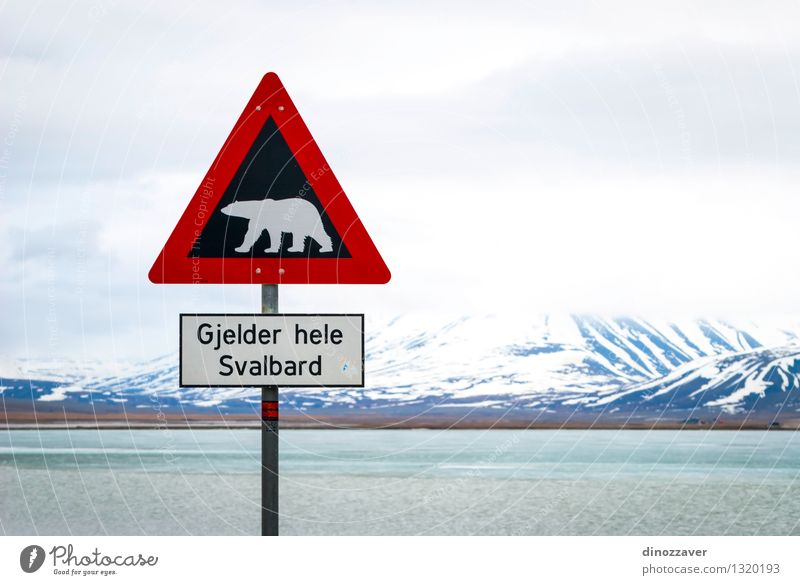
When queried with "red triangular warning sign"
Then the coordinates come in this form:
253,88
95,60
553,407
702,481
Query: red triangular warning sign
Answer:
270,210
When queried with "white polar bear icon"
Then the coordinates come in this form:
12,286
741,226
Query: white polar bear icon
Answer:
279,216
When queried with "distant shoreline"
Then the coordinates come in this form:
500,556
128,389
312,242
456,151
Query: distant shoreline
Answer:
293,419
377,425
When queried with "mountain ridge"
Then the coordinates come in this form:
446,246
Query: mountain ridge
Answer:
549,368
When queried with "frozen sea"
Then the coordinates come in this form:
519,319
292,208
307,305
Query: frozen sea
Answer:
402,482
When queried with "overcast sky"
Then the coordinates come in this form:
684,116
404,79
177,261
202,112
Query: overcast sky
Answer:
513,157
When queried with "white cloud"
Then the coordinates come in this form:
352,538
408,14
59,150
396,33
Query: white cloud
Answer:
610,157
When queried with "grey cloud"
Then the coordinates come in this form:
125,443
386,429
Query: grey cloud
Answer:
111,95
70,241
673,104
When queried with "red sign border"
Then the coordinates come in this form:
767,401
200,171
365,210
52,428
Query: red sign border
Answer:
175,265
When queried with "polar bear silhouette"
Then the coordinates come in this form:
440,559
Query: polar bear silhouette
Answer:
280,216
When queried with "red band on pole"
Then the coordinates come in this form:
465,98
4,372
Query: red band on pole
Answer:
269,410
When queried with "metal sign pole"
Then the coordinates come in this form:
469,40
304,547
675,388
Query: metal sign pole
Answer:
269,434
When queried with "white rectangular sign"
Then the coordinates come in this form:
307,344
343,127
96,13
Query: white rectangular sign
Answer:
264,350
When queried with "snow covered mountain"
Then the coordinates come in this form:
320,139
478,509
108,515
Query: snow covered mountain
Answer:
577,368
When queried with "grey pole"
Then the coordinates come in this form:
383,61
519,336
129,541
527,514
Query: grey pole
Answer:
269,434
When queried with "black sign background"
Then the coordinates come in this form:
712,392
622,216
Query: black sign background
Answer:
269,171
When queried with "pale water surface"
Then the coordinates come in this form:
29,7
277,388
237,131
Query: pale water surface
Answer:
402,482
